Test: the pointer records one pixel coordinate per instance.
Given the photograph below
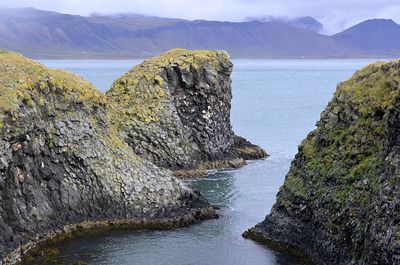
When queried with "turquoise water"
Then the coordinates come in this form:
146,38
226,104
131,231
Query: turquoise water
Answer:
275,104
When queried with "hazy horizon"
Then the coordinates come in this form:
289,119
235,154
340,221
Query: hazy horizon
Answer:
333,14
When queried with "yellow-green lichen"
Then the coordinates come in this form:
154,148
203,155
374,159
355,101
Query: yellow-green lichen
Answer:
375,87
338,159
25,81
65,95
139,94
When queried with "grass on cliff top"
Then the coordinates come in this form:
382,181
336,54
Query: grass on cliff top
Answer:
22,79
151,68
375,87
339,160
139,93
183,58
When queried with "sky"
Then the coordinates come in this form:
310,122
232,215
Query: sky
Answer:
336,15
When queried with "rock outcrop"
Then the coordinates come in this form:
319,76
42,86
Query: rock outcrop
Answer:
247,150
174,110
340,203
63,163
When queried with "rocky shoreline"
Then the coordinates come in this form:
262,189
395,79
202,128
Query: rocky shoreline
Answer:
340,202
259,234
75,159
243,150
269,233
36,252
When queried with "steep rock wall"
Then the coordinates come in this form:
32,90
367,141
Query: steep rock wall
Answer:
175,110
340,203
63,163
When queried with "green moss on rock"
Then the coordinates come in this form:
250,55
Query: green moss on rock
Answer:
140,94
23,81
336,203
373,88
174,109
22,76
64,163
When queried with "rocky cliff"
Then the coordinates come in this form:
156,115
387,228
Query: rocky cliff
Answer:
174,110
340,202
62,162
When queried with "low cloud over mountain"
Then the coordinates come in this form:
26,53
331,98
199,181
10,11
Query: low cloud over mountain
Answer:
41,34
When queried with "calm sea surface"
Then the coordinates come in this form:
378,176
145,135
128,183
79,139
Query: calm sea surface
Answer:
275,104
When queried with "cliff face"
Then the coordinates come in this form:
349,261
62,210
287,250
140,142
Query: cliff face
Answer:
341,198
62,161
174,110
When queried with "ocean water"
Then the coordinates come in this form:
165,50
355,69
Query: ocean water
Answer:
275,104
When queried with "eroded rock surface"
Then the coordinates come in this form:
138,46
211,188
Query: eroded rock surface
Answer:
340,203
62,162
247,150
174,110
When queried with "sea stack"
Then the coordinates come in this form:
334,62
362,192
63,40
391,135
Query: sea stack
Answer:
174,110
340,202
64,165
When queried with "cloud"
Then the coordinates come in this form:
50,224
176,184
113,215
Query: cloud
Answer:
334,14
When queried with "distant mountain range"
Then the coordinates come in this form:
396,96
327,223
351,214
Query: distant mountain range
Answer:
44,34
375,37
308,23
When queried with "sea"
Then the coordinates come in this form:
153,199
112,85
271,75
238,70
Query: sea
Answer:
275,104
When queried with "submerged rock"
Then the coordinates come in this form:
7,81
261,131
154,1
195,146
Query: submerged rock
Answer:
174,110
62,162
340,203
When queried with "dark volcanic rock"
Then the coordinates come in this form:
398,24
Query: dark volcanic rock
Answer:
174,110
62,162
247,150
340,203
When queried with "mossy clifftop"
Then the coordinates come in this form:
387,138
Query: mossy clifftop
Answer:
373,88
340,200
70,154
174,110
142,92
22,79
63,163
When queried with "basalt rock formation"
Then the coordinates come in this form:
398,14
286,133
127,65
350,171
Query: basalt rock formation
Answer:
340,203
62,162
174,110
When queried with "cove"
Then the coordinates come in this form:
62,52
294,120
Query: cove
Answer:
275,104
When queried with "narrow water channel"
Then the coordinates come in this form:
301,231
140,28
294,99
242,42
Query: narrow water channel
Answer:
275,104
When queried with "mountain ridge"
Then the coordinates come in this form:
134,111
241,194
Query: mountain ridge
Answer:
307,22
47,34
386,35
